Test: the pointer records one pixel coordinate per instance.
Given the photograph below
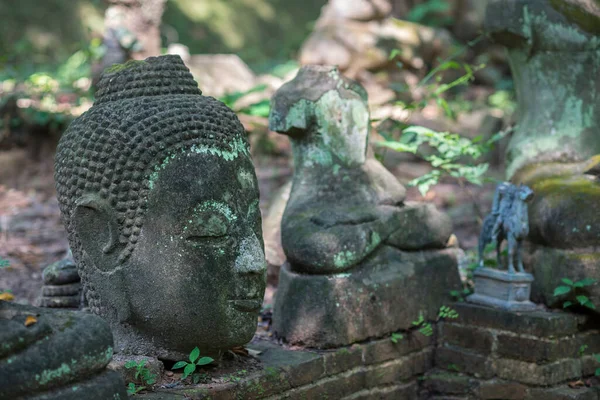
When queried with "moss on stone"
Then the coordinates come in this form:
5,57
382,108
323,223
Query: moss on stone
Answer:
577,13
567,186
122,67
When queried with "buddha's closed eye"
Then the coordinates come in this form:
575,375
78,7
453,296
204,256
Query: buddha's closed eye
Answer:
208,228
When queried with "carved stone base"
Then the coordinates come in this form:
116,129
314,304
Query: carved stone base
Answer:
382,296
500,289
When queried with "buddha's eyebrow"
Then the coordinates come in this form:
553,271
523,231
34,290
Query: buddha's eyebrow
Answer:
215,206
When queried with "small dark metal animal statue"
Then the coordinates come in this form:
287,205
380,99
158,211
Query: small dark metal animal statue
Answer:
507,220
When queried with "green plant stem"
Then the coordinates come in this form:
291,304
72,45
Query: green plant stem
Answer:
450,58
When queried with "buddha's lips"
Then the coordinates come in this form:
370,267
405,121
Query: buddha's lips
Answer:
249,305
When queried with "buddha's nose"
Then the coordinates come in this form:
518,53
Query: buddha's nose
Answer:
251,258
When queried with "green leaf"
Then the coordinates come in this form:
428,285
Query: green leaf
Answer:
189,369
560,290
194,354
394,53
584,282
582,299
597,373
567,304
419,130
567,281
204,361
180,364
396,336
590,305
260,109
130,364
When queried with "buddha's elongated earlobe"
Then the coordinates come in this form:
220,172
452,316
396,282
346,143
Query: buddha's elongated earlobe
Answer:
98,230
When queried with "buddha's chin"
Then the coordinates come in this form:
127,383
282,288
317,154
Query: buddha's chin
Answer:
242,323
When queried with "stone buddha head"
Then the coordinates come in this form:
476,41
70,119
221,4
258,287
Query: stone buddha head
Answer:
160,200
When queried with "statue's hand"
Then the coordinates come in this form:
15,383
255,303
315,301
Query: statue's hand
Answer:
419,226
335,239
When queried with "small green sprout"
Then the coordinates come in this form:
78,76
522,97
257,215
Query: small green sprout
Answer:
572,288
195,361
396,336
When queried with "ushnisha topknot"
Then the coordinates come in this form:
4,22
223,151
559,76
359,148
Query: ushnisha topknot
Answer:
145,112
154,76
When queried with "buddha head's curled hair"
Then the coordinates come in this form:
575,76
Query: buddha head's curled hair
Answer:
145,112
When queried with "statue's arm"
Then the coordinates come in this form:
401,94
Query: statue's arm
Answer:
334,241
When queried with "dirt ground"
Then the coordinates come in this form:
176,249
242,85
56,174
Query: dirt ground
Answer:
32,235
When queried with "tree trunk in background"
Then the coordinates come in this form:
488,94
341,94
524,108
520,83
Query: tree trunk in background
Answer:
131,31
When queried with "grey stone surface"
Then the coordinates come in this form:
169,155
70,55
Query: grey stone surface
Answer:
56,355
498,389
563,393
536,323
346,229
62,284
478,340
502,289
542,375
384,295
550,265
552,44
159,197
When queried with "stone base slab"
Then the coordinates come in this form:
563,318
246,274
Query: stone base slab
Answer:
500,289
385,295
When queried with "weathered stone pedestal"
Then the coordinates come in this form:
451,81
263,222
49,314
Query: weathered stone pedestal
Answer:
498,354
500,289
385,295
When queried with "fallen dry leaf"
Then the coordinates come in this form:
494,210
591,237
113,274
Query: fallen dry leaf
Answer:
30,320
6,296
576,384
240,350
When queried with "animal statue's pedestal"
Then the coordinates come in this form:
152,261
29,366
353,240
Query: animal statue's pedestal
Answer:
361,262
501,289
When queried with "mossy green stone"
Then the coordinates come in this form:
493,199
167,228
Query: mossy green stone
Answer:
61,352
346,210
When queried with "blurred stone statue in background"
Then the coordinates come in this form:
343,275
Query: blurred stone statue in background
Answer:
554,53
